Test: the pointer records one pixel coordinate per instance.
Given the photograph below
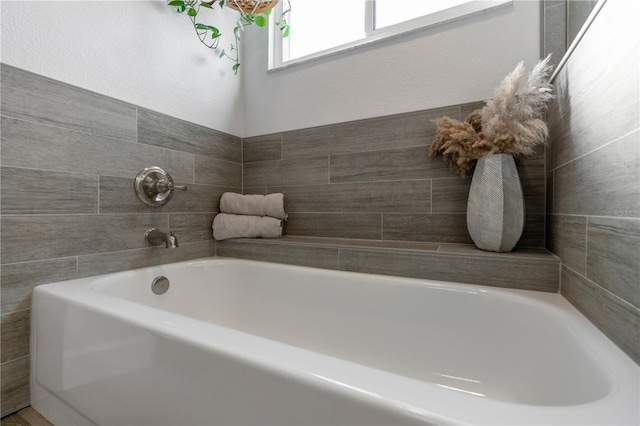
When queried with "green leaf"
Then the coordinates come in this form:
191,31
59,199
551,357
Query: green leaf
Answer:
261,21
235,68
285,31
215,33
221,54
221,3
192,12
207,5
176,3
267,12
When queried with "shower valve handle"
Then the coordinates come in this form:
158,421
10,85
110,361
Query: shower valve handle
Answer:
162,186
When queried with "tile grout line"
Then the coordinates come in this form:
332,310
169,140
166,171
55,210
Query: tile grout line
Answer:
39,260
71,129
338,153
430,196
546,198
70,172
553,191
586,244
99,180
596,149
420,251
137,123
242,166
16,359
135,140
608,293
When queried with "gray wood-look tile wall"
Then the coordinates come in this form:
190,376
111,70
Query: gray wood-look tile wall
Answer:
374,179
68,209
593,175
528,270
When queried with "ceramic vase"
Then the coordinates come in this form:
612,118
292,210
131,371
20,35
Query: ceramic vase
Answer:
495,209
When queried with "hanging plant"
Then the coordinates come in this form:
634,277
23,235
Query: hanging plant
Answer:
252,12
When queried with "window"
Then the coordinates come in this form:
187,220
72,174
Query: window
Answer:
391,12
318,30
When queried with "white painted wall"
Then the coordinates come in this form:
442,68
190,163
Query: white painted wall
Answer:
141,52
452,63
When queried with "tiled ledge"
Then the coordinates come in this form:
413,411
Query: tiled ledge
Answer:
528,269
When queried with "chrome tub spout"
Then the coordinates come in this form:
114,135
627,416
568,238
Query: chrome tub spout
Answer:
155,237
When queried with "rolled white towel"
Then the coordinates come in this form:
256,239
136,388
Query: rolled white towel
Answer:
254,204
227,226
274,206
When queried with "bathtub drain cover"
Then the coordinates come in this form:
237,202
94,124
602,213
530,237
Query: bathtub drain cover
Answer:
160,285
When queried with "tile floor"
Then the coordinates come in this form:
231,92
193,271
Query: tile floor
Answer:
25,417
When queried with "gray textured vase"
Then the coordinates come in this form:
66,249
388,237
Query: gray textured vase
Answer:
495,209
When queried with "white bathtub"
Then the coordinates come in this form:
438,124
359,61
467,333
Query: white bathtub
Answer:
237,342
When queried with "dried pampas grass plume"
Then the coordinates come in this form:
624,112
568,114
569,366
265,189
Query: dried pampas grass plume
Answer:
510,123
475,119
455,141
513,119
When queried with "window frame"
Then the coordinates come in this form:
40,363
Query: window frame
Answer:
279,45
